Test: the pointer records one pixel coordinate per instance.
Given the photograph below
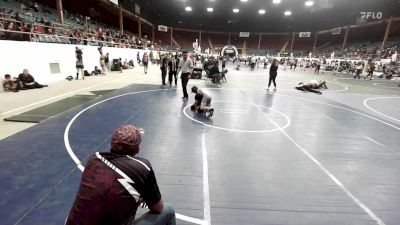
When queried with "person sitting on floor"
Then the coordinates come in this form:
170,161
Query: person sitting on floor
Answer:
202,102
114,184
312,86
97,71
27,81
126,65
11,84
131,64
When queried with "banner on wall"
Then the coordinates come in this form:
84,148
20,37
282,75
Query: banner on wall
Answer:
304,34
336,31
244,34
162,28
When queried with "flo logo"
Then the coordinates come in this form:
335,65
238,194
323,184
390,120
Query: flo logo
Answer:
371,15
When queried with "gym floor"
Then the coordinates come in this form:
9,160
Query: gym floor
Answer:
265,157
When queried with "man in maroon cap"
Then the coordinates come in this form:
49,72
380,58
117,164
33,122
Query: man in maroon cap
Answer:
115,183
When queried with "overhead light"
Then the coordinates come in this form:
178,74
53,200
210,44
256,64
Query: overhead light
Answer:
309,3
261,11
235,10
288,13
212,0
243,0
276,1
210,9
188,9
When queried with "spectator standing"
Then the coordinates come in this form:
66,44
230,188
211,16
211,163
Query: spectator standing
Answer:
107,61
371,69
173,68
103,63
79,63
317,67
358,71
164,67
145,61
273,72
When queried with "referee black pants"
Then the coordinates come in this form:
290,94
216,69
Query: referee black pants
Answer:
172,73
185,80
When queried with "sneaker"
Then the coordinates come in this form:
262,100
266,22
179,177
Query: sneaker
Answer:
184,98
211,112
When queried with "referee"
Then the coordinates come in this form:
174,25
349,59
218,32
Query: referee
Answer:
185,67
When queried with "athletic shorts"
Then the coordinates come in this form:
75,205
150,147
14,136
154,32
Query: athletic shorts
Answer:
206,101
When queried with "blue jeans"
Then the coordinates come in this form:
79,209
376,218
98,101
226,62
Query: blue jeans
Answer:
167,217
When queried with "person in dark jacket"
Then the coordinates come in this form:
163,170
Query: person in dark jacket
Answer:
173,69
164,68
371,70
27,81
214,73
273,72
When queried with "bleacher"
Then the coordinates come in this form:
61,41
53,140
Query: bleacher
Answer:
237,41
31,21
218,40
185,39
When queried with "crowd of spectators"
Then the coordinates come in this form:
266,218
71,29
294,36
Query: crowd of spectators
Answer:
361,50
30,23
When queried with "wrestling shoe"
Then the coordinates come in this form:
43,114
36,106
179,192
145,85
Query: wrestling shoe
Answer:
211,112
